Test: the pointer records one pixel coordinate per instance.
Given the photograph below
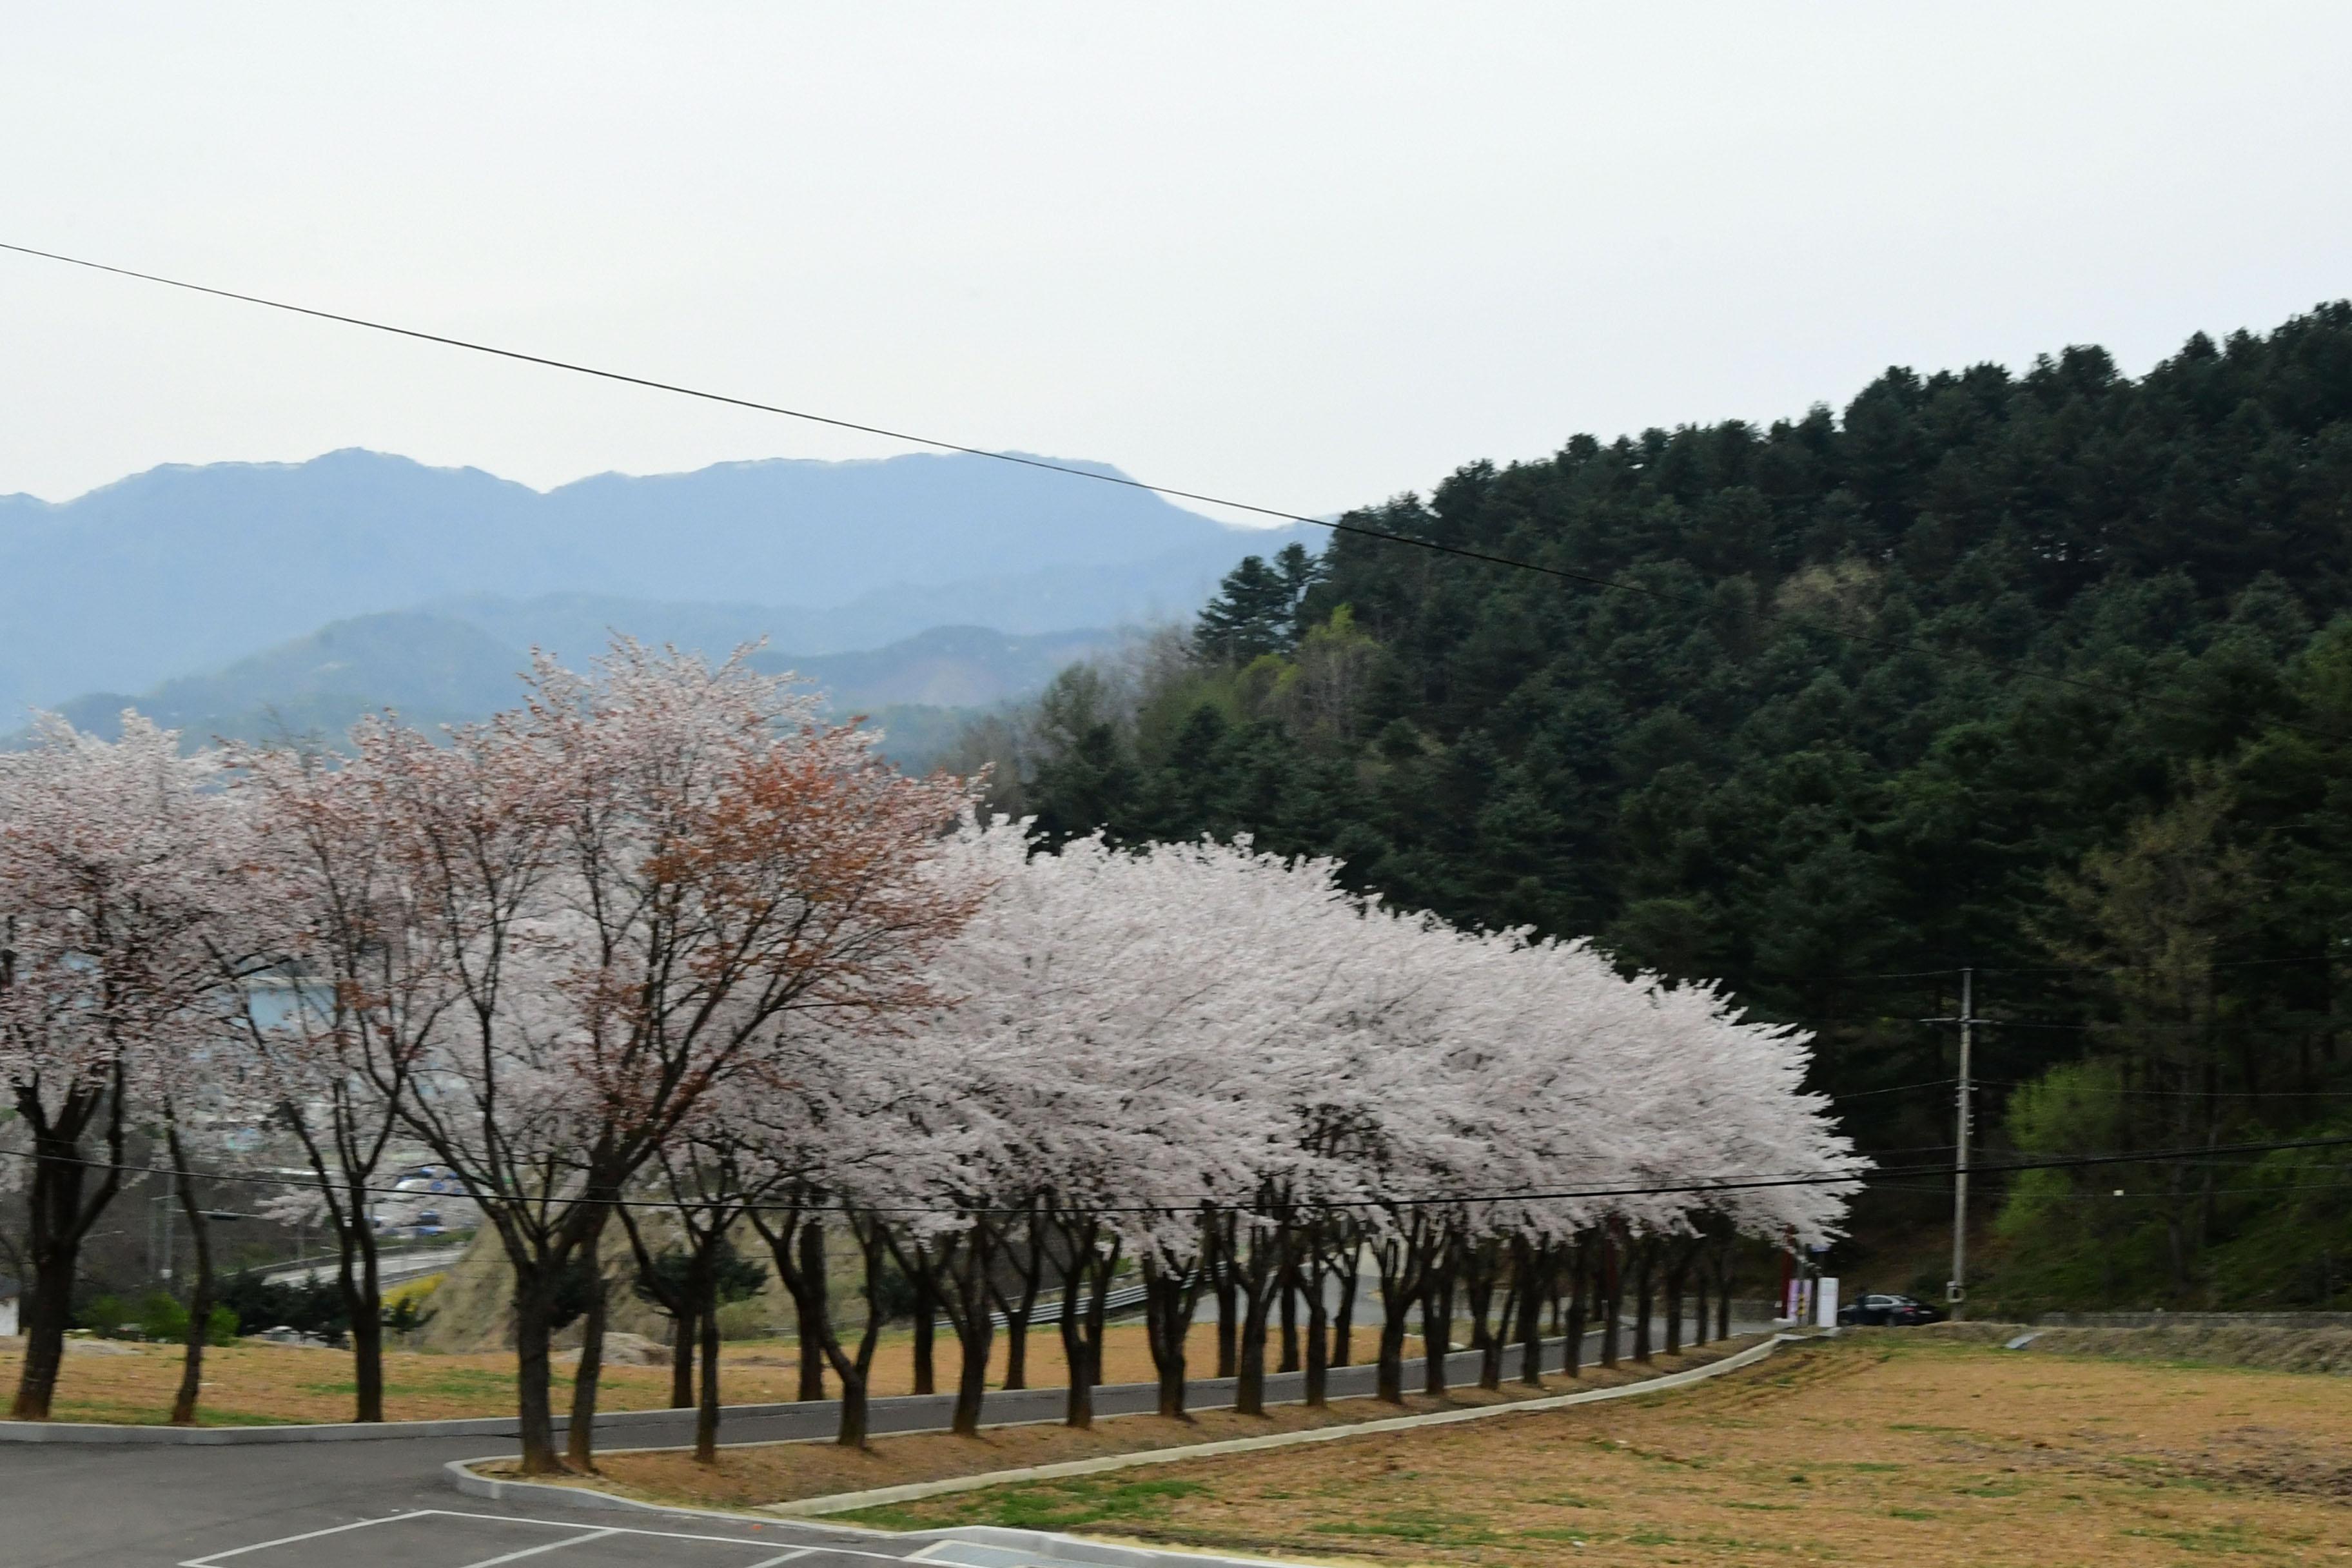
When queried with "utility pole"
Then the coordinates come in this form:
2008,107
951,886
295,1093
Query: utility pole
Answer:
1956,1290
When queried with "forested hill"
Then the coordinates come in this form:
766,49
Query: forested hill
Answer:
1816,741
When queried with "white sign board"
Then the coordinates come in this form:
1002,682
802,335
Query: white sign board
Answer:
1825,1301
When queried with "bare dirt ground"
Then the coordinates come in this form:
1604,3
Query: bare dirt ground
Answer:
1918,1451
748,1476
250,1384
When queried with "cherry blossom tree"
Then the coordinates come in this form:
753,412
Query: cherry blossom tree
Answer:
122,882
644,878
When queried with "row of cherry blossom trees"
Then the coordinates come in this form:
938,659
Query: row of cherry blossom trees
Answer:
1226,1072
660,948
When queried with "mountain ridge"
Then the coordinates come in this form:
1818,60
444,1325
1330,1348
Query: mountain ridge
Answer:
186,568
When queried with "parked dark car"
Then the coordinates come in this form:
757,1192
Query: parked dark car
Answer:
1888,1311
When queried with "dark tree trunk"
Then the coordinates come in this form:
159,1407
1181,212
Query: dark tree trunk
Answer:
1226,1245
968,1265
1259,1275
926,1329
809,1309
580,1446
1611,1300
60,1216
200,1297
682,1332
1531,1267
1343,1321
1723,1291
1019,1311
1645,1270
1316,1384
1580,1268
1677,1272
534,1301
356,1280
809,1298
1078,1400
1698,1299
1482,1264
1167,1323
1289,1289
1403,1260
706,1412
1437,1320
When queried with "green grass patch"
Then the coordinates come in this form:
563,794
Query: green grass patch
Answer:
1051,1505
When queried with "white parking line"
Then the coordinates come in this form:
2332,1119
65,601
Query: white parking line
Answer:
580,1532
548,1546
209,1558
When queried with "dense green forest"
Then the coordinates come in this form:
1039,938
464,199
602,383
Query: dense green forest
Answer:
2049,675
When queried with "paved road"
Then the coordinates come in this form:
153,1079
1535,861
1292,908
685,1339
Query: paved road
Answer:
387,1505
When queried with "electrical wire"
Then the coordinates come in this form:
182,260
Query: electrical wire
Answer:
1726,1185
1612,585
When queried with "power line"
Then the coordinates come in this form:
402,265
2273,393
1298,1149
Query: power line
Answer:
1898,1088
1724,1184
1613,585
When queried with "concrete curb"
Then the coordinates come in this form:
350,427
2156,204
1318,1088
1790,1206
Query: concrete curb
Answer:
849,1502
460,1475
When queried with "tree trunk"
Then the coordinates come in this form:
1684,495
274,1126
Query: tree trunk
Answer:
1343,1321
968,1270
587,1379
1436,1321
1611,1300
683,1330
1480,1267
200,1299
1531,1266
363,1303
1289,1310
1401,1261
1078,1400
1698,1299
706,1412
1259,1276
1167,1321
1223,1244
1678,1268
534,1413
809,1309
926,1329
1723,1292
60,1218
1645,1261
1580,1267
1316,1389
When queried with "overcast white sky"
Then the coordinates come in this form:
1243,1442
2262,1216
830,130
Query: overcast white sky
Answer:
1305,255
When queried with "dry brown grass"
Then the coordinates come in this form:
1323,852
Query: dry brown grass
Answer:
1877,1449
753,1473
253,1384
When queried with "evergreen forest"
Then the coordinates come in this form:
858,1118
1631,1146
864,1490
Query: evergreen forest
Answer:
2045,676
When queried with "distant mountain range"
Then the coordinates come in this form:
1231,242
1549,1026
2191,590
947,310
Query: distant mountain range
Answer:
441,670
184,571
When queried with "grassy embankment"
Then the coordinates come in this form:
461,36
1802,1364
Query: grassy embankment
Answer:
1919,1448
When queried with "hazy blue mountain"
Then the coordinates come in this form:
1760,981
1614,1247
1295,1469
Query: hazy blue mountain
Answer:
436,670
181,570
